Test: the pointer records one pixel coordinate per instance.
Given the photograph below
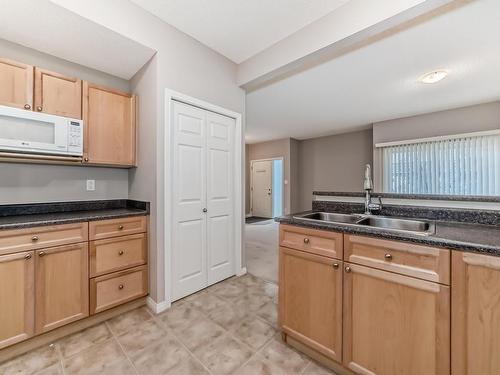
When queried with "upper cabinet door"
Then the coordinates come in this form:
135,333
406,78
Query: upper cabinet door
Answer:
110,126
476,314
16,84
394,324
57,94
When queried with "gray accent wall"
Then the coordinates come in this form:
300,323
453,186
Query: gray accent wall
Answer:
333,163
470,119
31,183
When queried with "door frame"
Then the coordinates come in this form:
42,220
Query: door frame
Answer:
282,182
168,188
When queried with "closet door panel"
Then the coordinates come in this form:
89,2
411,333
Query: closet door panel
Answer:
189,255
220,201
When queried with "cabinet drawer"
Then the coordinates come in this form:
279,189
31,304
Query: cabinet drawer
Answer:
15,240
118,253
117,227
314,241
117,288
423,262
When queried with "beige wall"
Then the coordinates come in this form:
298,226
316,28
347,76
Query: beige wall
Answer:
269,150
456,121
333,163
30,183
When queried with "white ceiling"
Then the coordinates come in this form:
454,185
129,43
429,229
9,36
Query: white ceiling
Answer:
238,29
49,28
379,81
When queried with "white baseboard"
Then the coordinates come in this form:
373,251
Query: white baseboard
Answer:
157,307
242,271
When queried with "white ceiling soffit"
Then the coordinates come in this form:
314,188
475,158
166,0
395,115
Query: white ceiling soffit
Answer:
379,82
49,28
238,29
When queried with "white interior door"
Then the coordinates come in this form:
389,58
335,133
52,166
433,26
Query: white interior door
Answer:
189,252
220,201
203,199
262,182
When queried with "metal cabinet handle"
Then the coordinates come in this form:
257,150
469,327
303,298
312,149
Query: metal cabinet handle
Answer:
120,286
388,256
39,108
27,106
120,227
348,269
335,265
306,240
41,253
34,238
27,256
120,252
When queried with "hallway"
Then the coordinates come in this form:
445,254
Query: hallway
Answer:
261,249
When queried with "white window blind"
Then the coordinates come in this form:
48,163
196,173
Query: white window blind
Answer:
458,165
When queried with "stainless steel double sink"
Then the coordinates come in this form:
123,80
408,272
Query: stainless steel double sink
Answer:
395,224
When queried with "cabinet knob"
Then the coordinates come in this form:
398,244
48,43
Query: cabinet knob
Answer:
120,252
120,286
306,240
335,265
39,108
41,253
27,106
348,269
388,256
120,227
27,256
85,159
34,238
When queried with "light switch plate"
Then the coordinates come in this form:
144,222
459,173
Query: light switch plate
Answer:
90,185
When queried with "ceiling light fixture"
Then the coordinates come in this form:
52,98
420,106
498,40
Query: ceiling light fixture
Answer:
434,76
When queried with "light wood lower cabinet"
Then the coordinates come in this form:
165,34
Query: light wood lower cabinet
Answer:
62,294
17,297
476,314
395,324
310,300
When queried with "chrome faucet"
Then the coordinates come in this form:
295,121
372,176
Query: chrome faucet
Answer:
368,187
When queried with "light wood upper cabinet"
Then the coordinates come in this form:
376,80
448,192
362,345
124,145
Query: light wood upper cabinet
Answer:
16,84
17,298
110,126
394,324
475,314
58,94
62,290
310,300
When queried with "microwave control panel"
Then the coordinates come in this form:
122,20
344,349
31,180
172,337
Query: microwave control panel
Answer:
75,136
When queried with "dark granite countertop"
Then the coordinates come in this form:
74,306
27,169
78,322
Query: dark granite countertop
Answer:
39,214
469,237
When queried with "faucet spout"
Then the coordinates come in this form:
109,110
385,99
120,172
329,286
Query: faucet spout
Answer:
368,187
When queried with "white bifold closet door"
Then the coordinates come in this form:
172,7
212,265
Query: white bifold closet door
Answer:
203,202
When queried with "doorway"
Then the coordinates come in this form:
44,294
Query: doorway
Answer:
266,188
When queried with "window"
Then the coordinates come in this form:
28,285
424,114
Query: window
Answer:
467,164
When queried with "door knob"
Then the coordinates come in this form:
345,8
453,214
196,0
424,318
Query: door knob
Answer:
205,210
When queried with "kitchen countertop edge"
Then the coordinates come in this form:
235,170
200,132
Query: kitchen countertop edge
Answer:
431,240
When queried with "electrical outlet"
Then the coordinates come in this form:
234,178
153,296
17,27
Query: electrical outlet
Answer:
90,185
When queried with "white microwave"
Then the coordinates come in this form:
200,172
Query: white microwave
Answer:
40,133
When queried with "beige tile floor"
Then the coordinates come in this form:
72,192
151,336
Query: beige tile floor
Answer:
261,249
229,328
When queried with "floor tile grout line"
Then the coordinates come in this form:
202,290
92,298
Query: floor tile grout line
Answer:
113,334
172,332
